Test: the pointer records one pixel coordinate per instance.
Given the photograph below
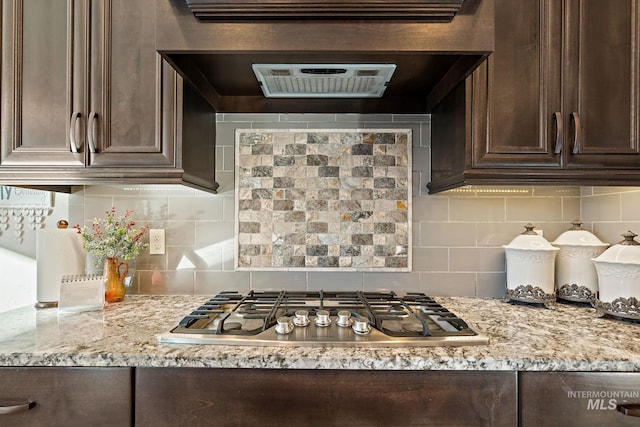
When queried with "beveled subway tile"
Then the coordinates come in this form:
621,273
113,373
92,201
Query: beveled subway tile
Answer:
556,191
571,208
144,261
411,118
498,233
303,118
335,281
601,208
151,208
96,207
448,284
214,232
180,233
447,234
477,259
477,209
611,232
167,282
612,190
630,206
111,190
278,280
213,282
390,281
156,190
430,259
491,285
431,208
195,208
533,209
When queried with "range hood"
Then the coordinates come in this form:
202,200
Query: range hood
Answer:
350,56
323,80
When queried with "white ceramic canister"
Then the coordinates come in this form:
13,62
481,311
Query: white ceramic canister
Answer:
576,277
530,268
618,271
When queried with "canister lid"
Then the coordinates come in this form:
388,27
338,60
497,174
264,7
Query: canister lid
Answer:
625,252
530,240
578,236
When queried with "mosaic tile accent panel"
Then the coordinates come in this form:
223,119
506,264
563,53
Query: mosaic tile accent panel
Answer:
323,199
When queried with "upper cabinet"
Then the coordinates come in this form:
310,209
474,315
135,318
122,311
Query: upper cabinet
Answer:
558,102
132,99
43,79
86,98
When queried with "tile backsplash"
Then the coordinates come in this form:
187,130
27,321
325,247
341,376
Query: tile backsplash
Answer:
326,199
457,236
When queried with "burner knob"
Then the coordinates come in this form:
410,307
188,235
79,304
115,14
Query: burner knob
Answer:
322,318
361,325
284,325
344,318
301,318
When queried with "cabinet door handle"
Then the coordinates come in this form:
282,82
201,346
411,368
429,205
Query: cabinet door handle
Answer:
630,409
12,409
577,133
92,131
559,132
72,132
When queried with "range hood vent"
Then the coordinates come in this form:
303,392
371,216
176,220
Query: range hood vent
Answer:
323,80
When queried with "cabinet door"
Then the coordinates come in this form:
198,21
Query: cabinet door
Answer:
43,72
282,397
516,92
133,92
602,78
578,398
66,397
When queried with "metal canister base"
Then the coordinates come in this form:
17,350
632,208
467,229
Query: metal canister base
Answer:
576,293
629,308
531,294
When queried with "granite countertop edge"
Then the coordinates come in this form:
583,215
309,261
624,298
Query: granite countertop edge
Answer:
523,337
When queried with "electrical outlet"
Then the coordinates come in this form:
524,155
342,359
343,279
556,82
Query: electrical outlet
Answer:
156,241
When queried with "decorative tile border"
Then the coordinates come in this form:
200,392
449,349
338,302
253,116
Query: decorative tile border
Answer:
323,199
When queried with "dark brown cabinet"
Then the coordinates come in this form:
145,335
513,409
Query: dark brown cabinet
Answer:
265,397
66,397
86,98
579,399
558,102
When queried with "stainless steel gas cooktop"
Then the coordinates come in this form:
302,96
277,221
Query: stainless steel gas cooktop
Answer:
306,319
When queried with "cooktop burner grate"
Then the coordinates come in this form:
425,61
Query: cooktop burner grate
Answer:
323,318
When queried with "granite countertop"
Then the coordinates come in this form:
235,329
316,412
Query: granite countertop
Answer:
523,337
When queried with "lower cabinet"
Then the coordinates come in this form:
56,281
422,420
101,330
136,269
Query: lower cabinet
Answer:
579,399
66,397
264,397
48,396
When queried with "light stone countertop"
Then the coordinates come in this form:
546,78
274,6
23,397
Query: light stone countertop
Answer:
523,337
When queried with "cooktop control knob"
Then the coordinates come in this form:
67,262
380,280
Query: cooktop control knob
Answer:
361,325
344,318
301,318
284,325
322,318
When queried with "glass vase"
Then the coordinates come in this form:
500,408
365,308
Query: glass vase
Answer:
114,289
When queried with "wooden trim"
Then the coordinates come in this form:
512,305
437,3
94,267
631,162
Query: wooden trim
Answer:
16,139
432,10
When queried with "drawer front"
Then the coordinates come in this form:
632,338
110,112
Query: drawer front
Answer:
175,396
578,398
66,396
